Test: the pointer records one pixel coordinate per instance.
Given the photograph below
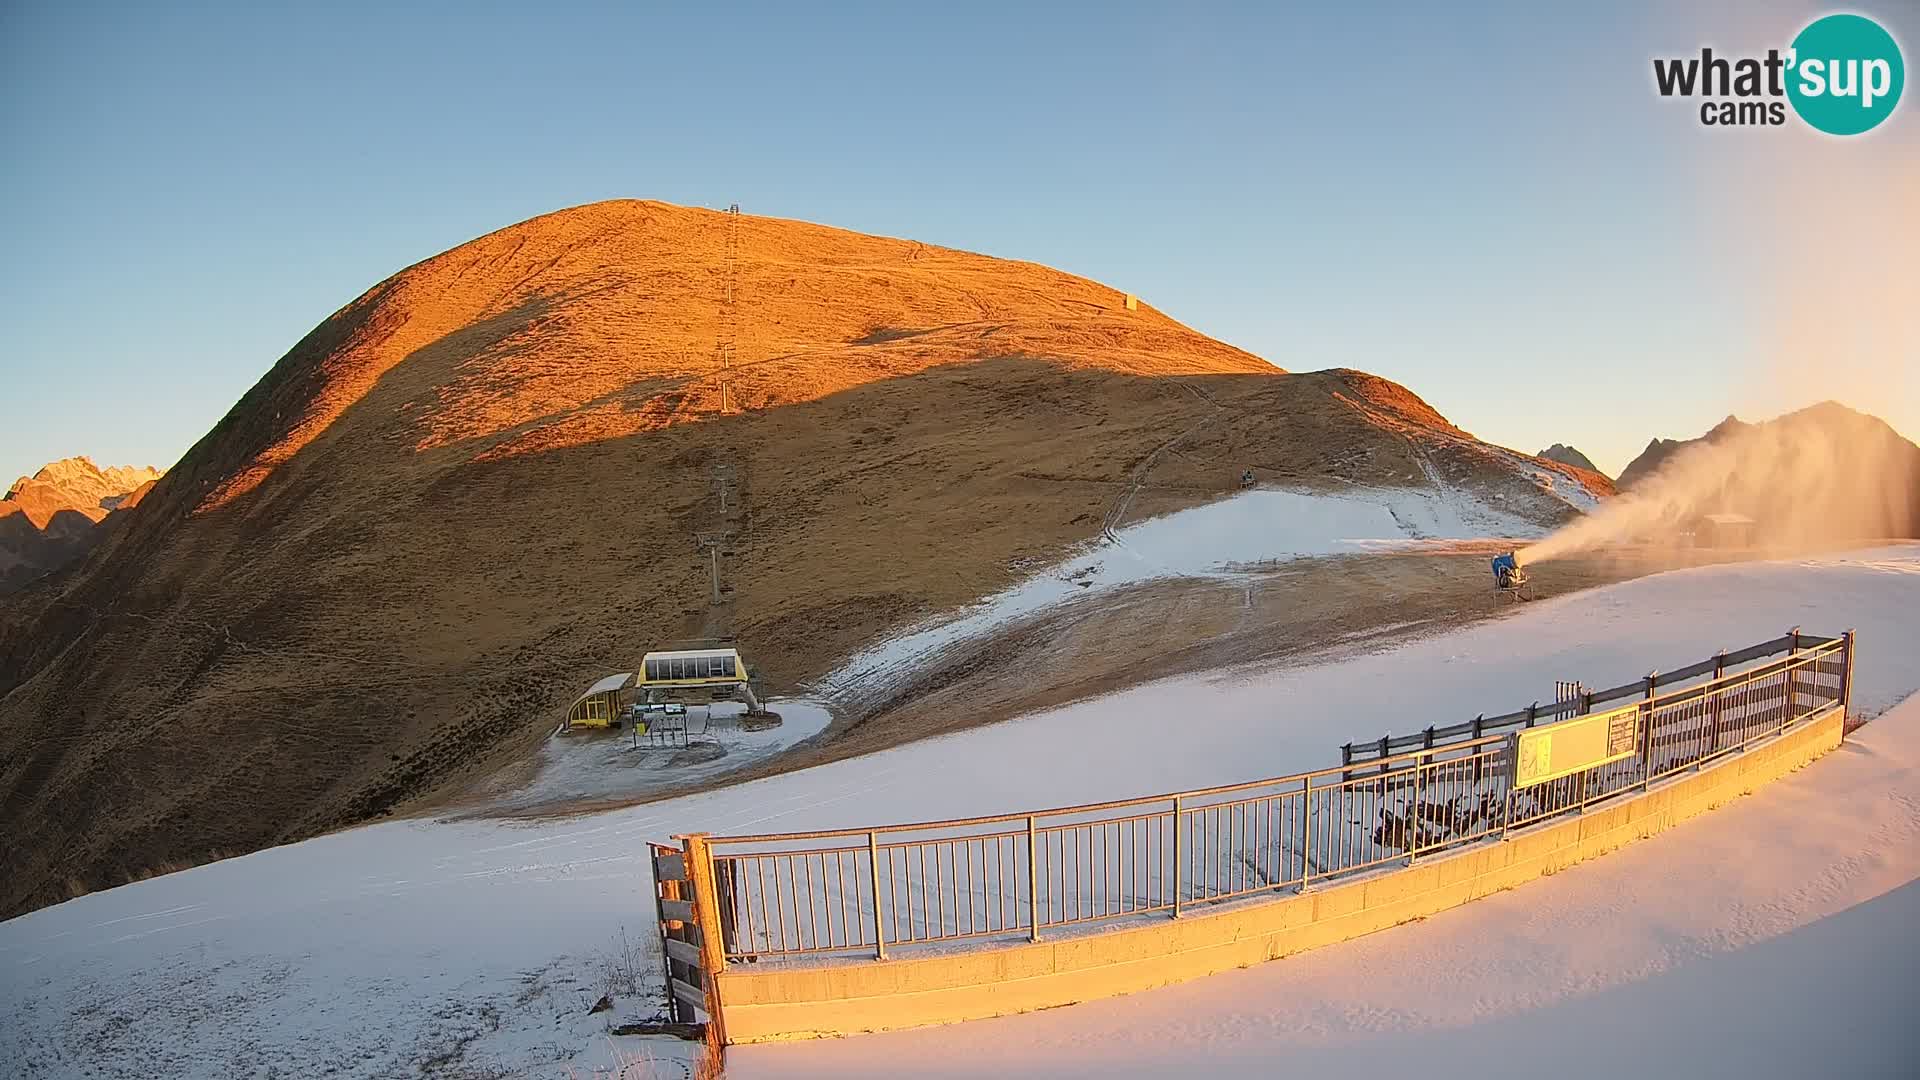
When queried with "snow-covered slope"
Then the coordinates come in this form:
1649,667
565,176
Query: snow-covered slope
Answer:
473,948
1773,938
1217,540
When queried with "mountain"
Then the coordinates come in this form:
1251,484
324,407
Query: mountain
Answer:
1659,450
1822,475
1567,455
494,477
87,485
49,519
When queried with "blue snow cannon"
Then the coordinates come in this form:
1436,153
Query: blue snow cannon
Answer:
1507,575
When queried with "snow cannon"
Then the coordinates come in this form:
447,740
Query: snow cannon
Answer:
1508,577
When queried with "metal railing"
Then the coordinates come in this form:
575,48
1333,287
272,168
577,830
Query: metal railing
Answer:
873,890
1574,699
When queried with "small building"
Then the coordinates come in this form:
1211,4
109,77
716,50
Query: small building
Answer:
691,667
600,706
699,673
1726,531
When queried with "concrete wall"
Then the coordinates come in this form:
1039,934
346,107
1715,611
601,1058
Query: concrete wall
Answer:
769,1002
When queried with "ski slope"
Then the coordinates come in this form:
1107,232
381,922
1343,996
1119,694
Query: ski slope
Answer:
1217,541
608,765
473,949
1772,938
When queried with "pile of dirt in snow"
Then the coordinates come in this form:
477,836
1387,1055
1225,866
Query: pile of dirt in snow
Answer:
488,480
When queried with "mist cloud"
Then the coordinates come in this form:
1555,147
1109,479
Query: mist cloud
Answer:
1819,476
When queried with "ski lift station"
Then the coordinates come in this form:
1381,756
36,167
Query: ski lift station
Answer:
1725,531
696,674
683,675
600,706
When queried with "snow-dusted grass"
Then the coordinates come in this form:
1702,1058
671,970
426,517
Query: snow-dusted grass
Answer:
1213,541
475,948
1566,489
1553,483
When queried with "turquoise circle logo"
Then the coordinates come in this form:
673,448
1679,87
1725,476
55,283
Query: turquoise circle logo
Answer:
1845,74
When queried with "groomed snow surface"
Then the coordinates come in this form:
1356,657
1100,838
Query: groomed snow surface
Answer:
584,765
1219,541
1776,937
1772,938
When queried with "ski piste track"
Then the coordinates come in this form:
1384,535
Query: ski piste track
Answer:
481,944
770,897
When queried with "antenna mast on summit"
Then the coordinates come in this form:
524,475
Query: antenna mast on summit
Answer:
728,316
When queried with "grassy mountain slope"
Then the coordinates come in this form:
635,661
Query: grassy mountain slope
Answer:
486,482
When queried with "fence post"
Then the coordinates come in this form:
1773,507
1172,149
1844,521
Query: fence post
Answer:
879,925
706,911
1846,681
677,1010
1515,758
1415,808
1479,760
1386,742
1646,734
1178,866
1346,759
1719,693
1033,881
1793,650
1306,834
1513,775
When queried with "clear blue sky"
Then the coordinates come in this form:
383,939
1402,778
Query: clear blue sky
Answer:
1488,204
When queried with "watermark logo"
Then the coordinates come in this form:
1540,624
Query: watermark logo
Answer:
1849,74
1842,74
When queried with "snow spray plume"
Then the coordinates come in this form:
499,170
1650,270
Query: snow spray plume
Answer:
1821,475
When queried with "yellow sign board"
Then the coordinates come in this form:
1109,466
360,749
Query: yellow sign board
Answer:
1576,745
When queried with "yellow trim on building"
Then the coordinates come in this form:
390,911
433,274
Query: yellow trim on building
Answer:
692,667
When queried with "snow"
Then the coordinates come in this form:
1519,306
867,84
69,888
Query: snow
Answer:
585,765
1772,938
1550,481
1566,489
611,682
1216,541
474,948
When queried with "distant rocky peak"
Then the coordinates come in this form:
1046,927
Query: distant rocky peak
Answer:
1730,426
82,484
1567,455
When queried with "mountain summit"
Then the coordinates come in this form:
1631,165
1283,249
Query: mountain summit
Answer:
1822,474
76,483
502,472
1567,455
47,520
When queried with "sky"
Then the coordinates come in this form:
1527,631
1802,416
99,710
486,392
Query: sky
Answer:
1486,202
